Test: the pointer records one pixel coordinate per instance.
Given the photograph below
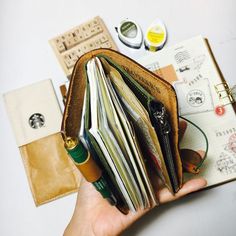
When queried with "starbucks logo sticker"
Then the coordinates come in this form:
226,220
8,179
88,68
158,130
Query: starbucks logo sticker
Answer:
195,98
36,121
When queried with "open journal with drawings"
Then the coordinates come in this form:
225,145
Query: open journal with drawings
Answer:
203,98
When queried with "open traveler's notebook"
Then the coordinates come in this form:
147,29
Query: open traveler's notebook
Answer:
129,127
205,99
128,120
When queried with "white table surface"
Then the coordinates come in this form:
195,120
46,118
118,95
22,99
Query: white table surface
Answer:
26,57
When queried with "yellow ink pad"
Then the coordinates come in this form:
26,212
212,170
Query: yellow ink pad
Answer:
155,36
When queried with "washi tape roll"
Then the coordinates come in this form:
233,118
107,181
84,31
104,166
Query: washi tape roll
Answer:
155,36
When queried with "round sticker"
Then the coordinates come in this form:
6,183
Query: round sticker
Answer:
220,110
36,121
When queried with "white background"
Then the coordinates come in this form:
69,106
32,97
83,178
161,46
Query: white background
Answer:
26,57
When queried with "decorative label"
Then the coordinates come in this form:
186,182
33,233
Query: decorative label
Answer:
36,121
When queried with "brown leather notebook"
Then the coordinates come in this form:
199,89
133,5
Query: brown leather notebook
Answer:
127,118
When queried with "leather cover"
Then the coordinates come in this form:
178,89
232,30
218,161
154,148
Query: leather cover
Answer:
153,84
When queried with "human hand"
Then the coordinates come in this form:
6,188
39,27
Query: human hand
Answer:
94,216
